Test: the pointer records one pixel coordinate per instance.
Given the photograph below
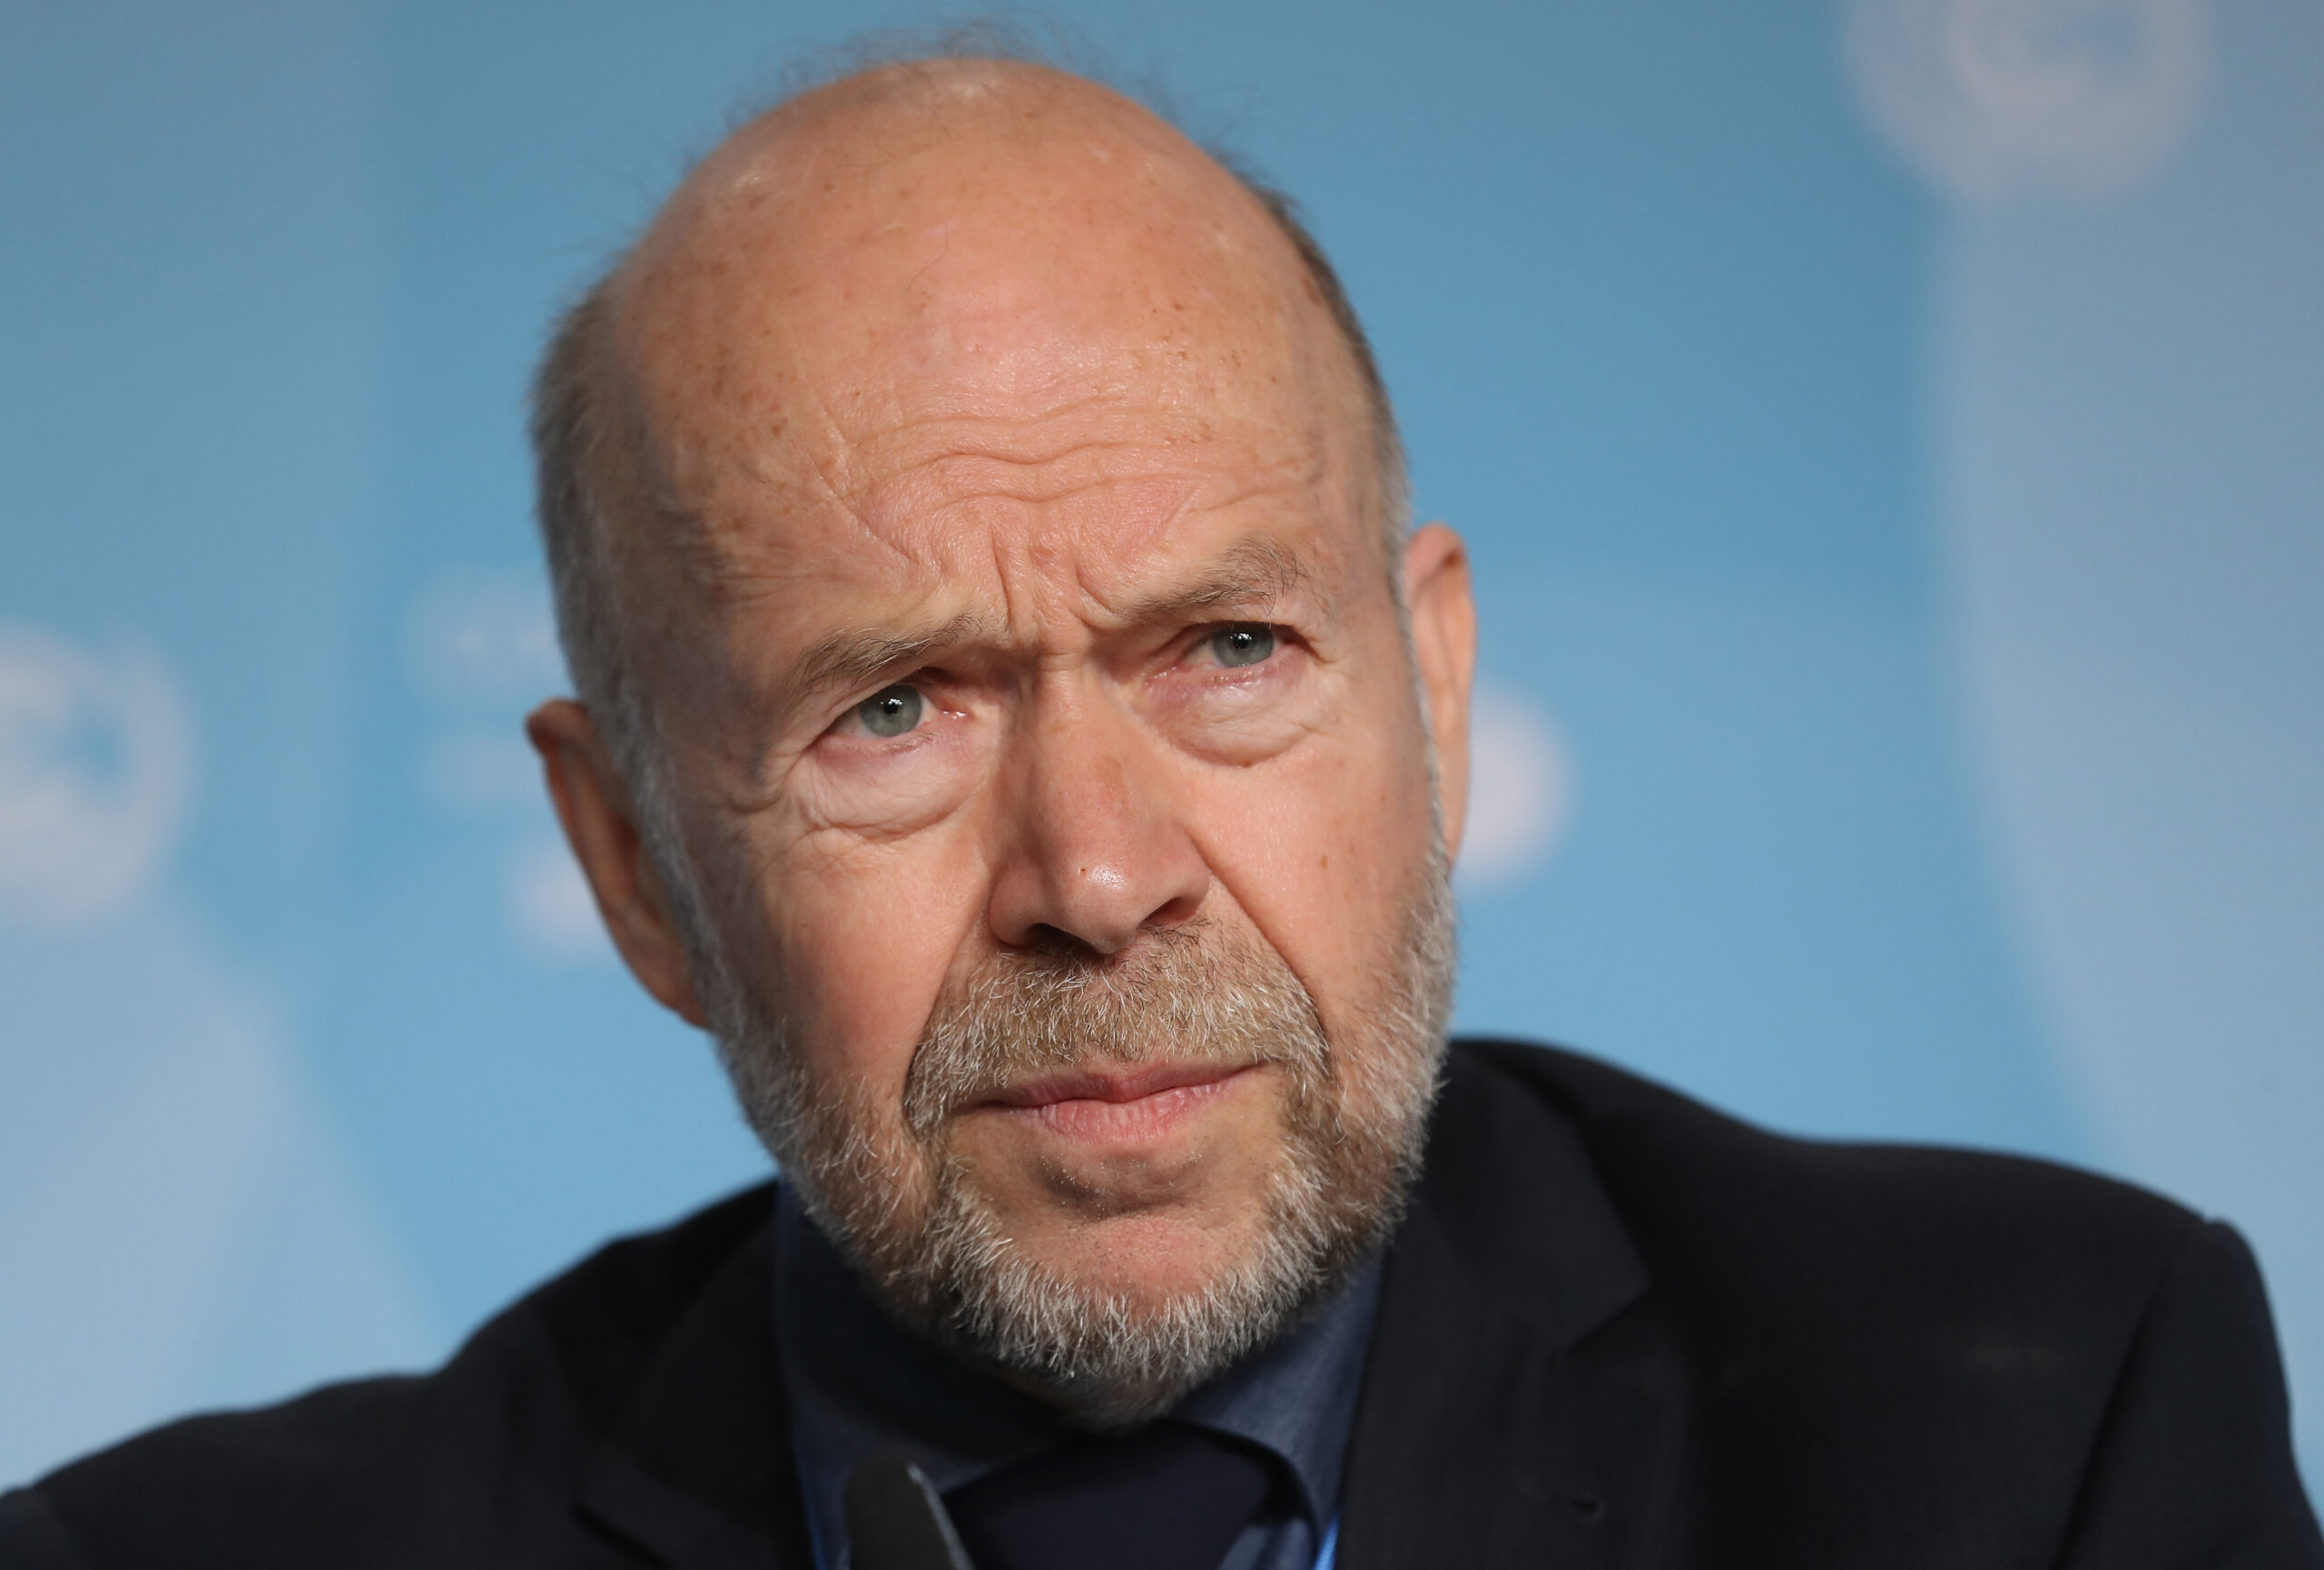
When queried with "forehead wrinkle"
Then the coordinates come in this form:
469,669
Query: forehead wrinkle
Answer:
936,423
739,560
938,485
718,508
1155,476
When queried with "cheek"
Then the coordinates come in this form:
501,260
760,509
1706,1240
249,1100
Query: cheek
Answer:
867,934
1319,848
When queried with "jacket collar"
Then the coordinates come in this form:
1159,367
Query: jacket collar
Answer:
697,1470
1519,1403
1522,1403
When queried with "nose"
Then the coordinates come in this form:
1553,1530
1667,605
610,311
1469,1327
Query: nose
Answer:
1097,851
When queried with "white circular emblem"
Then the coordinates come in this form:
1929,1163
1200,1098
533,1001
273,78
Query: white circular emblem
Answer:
1999,98
1520,788
97,764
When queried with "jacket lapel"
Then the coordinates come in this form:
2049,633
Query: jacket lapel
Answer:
698,1472
1522,1404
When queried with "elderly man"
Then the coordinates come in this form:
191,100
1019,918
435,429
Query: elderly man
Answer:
1018,722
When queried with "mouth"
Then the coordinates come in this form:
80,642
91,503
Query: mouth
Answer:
1107,1104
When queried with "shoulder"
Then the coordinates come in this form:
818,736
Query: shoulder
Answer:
1887,1344
509,1418
1825,1287
1710,1198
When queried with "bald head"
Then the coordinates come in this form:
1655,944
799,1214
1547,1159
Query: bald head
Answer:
983,256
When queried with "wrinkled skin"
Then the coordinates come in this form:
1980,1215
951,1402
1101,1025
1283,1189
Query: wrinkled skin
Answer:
981,382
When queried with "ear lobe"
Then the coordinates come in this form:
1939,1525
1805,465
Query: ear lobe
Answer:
592,803
1443,611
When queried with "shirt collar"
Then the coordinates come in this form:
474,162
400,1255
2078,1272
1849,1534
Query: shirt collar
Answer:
861,1386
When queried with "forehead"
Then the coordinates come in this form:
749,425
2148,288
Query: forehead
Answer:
876,328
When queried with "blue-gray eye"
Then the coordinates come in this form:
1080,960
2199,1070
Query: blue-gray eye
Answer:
1242,645
891,711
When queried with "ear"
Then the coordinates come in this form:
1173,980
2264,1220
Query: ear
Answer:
1444,646
600,824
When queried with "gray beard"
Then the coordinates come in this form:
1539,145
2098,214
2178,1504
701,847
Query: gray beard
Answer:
884,1185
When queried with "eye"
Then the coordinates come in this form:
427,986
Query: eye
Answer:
891,711
1241,646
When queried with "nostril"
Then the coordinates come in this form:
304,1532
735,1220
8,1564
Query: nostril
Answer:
1179,912
1047,939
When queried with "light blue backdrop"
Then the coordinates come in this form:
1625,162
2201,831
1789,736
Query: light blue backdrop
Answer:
1888,431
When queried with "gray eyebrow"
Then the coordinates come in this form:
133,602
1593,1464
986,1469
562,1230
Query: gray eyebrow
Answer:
1253,572
846,659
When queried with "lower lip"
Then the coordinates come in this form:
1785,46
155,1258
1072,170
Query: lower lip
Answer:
1097,1120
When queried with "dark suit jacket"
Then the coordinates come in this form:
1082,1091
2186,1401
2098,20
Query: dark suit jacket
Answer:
1617,1329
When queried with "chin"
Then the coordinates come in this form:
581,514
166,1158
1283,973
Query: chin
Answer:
1144,1261
1114,1320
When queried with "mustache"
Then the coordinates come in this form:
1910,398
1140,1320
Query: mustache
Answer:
1186,994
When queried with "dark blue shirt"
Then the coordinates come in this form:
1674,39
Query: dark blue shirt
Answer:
860,1385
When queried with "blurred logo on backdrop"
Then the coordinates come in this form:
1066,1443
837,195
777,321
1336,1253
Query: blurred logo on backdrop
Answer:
96,768
177,1222
1520,790
480,648
1996,99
